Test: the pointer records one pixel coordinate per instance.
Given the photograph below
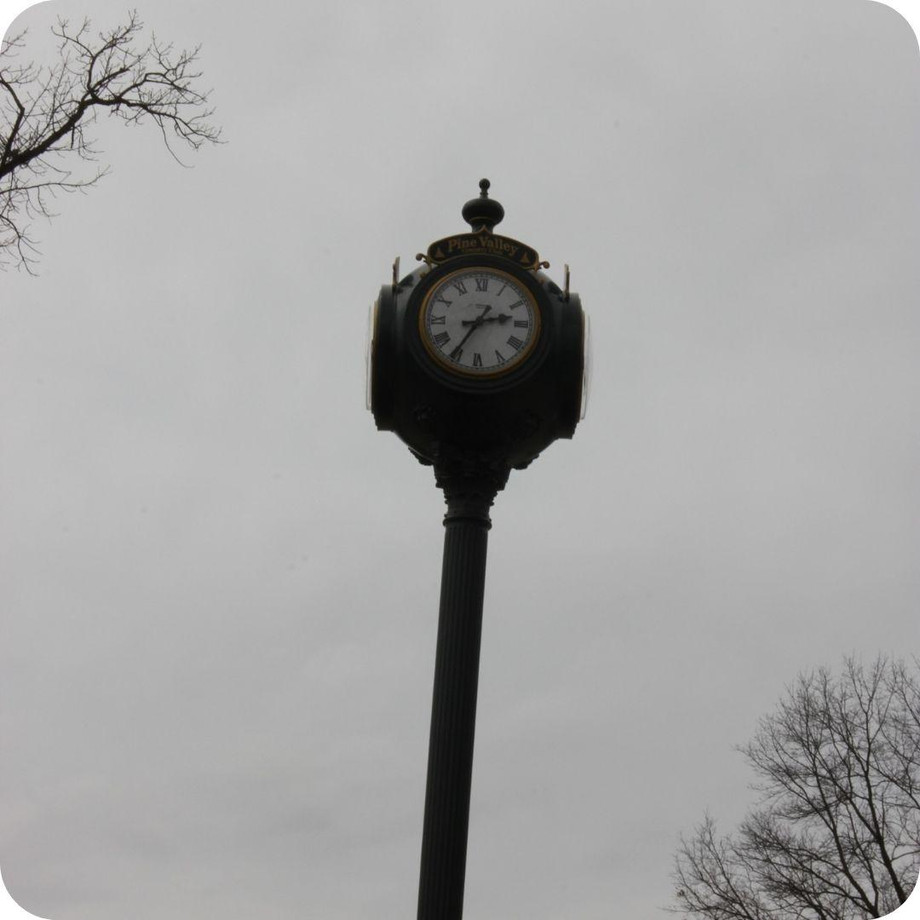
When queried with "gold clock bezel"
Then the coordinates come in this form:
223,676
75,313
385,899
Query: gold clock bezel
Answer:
520,357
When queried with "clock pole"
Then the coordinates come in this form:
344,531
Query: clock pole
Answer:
477,361
469,493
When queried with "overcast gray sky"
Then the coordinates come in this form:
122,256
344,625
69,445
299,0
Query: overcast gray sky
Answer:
221,582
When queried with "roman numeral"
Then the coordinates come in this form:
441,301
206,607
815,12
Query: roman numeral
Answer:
477,359
520,323
456,354
482,285
441,339
515,342
440,299
441,320
501,358
514,306
460,286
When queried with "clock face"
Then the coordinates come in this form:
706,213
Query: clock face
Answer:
479,322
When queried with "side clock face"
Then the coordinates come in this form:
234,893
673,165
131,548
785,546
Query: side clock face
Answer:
479,322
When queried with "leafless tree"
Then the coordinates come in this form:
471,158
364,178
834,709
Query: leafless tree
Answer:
45,112
835,834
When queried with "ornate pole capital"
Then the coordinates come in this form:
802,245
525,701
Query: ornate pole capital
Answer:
470,485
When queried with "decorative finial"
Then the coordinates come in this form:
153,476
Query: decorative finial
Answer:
483,213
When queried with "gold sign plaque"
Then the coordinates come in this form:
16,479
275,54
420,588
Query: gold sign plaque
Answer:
483,243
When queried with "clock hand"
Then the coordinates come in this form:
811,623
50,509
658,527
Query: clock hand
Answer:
501,318
474,325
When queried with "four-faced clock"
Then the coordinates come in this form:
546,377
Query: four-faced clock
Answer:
479,322
477,356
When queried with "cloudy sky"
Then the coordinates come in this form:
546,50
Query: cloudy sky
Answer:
220,582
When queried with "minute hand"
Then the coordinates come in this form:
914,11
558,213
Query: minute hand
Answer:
474,325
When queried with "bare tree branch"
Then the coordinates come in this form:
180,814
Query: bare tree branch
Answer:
836,831
45,111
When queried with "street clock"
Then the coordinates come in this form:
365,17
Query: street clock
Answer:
477,352
478,361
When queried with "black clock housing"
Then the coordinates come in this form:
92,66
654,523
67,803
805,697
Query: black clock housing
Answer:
506,419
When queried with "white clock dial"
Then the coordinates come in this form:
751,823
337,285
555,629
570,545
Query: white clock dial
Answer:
588,358
479,322
369,354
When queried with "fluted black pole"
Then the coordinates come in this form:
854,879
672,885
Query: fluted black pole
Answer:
456,679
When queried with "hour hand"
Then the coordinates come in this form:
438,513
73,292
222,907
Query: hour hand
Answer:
479,319
501,318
